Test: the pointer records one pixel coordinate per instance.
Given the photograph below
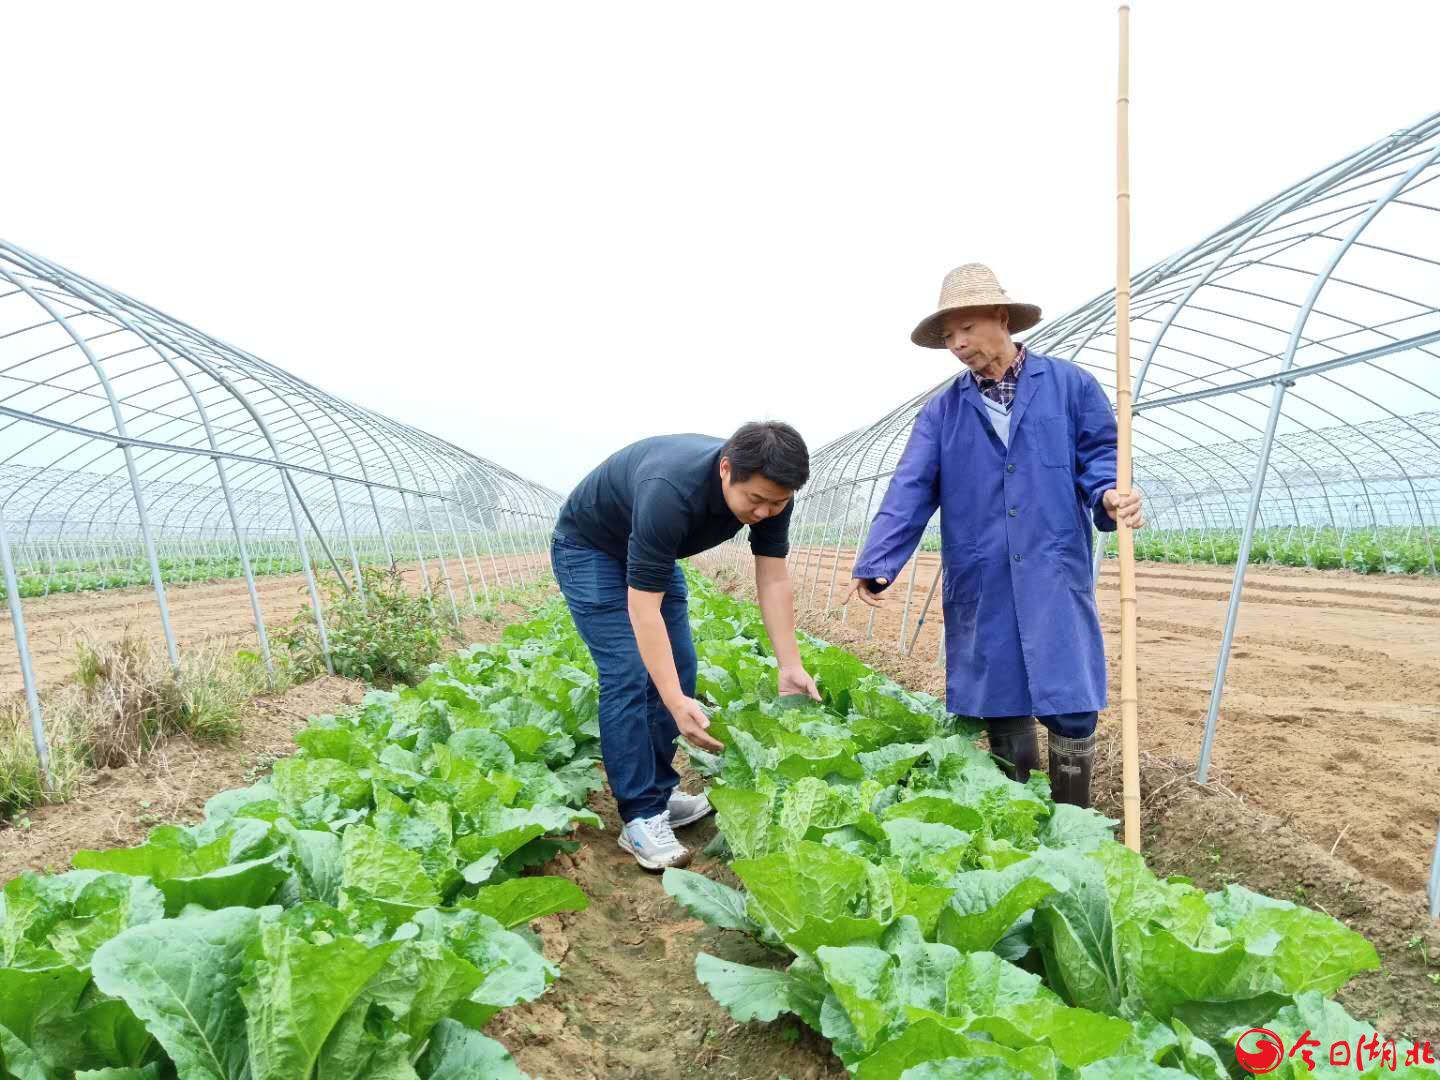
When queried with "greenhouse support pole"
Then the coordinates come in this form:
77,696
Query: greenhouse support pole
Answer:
1129,677
1435,878
313,587
349,542
914,565
1282,380
925,608
261,636
319,536
22,645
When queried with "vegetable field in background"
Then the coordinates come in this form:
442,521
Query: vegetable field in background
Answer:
1364,551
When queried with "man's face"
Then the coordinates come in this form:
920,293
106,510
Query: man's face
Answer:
755,499
979,337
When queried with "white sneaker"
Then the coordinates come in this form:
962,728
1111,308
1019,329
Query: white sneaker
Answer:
685,809
653,844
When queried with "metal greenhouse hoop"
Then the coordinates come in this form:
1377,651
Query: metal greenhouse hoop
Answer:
1287,385
130,439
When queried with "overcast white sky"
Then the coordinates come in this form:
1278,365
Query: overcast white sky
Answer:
544,230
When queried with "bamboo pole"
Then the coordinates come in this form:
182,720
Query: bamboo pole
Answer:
1129,694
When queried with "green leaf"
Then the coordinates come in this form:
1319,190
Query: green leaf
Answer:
928,1040
348,746
1311,951
384,869
751,993
298,780
457,1053
511,971
298,994
182,978
521,900
985,904
31,999
808,882
18,1060
744,817
863,979
69,916
1073,827
963,1069
169,852
939,810
1198,1057
713,903
1078,1036
318,862
111,1033
1130,1068
421,982
244,884
891,764
926,851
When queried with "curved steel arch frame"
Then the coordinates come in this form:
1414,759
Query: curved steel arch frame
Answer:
1288,377
127,435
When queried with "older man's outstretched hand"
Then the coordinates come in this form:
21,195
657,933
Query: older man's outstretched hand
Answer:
861,587
1129,509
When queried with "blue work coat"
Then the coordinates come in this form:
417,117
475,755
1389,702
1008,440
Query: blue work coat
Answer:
1022,633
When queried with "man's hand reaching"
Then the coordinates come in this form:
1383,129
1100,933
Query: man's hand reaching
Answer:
861,587
690,718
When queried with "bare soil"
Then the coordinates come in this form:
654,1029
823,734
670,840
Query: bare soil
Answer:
627,1005
118,807
203,612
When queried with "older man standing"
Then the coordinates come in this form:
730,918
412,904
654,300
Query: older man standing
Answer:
1018,455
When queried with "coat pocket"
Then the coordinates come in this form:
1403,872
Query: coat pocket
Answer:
1051,435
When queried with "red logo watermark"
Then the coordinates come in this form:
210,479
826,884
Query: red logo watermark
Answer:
1260,1051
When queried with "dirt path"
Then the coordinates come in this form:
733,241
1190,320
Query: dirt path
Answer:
627,1005
200,612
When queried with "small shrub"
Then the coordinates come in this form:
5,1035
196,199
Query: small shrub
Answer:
391,636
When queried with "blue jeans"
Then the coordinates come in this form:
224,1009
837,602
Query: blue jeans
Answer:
637,732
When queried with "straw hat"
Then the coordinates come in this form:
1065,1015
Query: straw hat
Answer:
968,286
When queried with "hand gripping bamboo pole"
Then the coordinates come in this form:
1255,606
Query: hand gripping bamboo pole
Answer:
1129,694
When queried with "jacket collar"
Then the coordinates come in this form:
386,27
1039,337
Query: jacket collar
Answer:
1036,367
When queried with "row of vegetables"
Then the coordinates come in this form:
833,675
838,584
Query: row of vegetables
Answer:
934,919
366,910
362,913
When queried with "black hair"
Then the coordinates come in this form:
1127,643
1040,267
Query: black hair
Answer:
774,450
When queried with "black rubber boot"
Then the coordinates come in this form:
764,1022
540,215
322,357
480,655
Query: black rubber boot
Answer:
1071,763
1013,741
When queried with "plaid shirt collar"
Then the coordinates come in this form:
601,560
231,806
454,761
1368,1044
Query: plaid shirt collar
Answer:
1002,390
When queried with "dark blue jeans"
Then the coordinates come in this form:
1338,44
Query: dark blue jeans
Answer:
637,732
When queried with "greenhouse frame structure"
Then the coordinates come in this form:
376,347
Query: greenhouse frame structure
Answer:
134,446
1286,394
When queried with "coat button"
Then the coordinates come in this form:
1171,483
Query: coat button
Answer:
1010,467
1014,512
1018,556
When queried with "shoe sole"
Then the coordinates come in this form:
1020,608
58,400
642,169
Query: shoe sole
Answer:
681,861
679,823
